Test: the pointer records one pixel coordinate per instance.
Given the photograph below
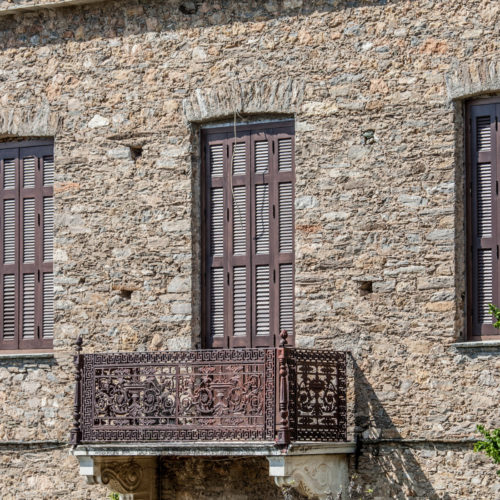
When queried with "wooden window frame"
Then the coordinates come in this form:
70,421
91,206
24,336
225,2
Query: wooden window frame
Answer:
40,148
253,132
470,217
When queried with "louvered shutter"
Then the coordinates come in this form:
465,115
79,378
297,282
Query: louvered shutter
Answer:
238,241
10,248
227,273
216,237
248,236
262,242
483,223
27,243
283,232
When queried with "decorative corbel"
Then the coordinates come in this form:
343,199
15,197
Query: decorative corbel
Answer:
321,477
133,478
122,477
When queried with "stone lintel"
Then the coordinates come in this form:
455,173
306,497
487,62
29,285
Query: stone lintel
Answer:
270,97
470,79
31,121
322,477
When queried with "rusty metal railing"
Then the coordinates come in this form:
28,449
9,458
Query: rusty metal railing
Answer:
269,394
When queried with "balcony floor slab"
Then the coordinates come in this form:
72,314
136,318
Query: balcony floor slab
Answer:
202,449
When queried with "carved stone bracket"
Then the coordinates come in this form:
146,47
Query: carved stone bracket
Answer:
134,478
322,477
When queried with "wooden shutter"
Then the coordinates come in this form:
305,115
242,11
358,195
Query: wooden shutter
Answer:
283,231
483,218
27,222
238,240
9,235
261,251
216,237
248,234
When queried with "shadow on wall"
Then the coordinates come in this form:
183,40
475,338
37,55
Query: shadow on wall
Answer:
385,471
220,478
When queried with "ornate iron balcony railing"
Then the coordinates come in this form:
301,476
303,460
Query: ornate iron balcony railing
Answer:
281,395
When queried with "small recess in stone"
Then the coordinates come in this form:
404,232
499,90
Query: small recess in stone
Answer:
369,136
135,152
126,294
188,7
126,291
365,287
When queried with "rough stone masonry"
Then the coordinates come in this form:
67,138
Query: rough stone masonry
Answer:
376,90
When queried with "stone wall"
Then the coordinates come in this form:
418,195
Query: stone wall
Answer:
43,472
123,88
217,479
422,470
34,395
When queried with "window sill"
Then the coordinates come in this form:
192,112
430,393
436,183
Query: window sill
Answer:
26,354
481,344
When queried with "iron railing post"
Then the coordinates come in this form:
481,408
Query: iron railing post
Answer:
283,428
76,432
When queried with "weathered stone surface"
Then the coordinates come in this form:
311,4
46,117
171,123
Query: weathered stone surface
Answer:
34,395
383,207
98,121
218,478
423,472
43,472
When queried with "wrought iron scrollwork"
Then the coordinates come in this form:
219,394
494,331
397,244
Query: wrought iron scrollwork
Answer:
212,395
317,394
192,395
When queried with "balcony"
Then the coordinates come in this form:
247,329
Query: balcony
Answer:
272,402
277,395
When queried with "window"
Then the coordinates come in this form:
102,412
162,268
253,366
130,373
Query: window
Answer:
248,234
483,220
26,234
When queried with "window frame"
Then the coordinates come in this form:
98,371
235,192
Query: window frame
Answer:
41,148
253,129
470,213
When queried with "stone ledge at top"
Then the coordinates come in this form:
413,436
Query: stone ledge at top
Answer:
20,6
26,355
483,344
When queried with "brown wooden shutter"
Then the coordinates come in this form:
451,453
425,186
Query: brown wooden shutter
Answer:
27,242
483,218
10,248
215,165
247,201
238,241
283,231
261,245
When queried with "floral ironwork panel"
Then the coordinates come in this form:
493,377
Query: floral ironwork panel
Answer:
176,396
317,395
